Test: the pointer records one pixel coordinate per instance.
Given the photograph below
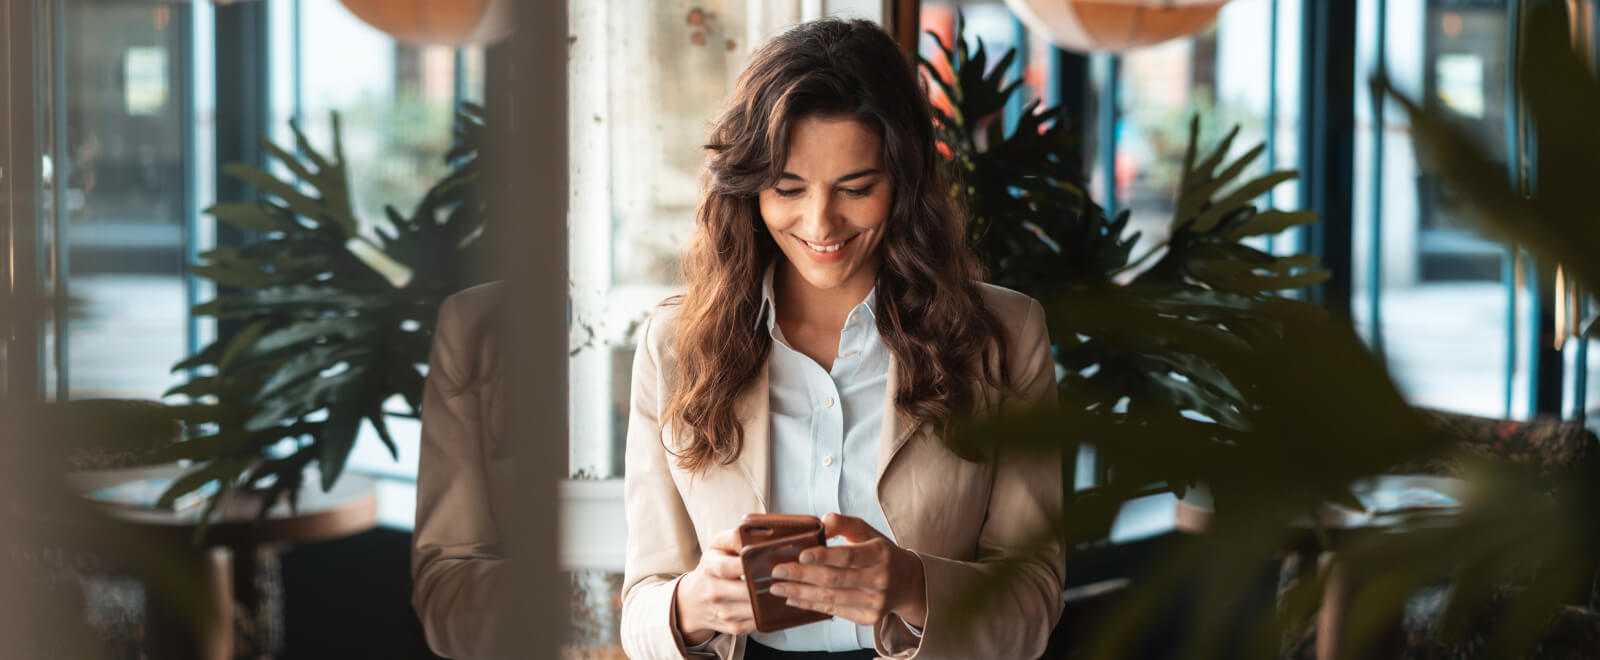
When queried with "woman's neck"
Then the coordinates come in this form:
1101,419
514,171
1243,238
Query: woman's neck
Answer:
798,300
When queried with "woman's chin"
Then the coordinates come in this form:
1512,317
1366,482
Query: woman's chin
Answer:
826,278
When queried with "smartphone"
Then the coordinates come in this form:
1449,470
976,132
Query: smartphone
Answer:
767,540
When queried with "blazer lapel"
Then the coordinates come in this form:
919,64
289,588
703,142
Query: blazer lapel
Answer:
897,426
754,410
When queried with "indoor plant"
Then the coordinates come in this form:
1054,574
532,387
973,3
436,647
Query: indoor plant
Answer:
329,324
1113,326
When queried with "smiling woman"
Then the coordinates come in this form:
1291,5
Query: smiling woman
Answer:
832,330
826,214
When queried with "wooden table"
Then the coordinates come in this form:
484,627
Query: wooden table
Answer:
235,549
1342,525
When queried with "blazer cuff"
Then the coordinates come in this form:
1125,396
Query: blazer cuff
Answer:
944,581
895,637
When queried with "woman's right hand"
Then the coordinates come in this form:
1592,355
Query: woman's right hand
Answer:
712,598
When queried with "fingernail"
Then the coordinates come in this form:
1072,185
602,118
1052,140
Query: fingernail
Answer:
778,590
780,573
808,558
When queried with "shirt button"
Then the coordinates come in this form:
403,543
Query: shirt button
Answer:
828,402
855,317
847,354
827,461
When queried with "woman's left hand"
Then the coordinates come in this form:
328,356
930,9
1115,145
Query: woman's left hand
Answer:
861,581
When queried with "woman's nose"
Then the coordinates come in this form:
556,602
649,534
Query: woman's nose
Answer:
819,220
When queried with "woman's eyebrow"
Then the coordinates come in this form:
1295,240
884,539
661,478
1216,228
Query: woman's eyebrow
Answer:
791,176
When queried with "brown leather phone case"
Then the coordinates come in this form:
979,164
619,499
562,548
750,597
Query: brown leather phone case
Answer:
766,540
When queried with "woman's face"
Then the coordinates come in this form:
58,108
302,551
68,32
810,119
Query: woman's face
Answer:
828,210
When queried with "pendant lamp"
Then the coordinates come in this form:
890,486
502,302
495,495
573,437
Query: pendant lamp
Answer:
1115,26
453,23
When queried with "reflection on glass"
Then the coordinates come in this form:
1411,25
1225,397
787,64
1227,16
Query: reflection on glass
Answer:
124,201
1443,303
647,77
396,104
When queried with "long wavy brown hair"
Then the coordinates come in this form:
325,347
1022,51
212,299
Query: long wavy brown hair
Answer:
946,343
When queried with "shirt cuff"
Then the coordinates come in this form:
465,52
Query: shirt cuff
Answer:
914,630
703,649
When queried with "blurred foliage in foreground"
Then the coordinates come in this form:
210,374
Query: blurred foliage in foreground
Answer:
1322,413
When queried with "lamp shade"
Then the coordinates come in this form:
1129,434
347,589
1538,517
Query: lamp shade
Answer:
1114,25
436,22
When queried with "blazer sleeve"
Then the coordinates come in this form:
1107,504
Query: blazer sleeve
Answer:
1025,497
661,539
456,558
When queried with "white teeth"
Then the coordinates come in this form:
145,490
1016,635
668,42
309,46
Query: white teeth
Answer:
825,248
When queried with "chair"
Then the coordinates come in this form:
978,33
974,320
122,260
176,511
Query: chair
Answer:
1553,449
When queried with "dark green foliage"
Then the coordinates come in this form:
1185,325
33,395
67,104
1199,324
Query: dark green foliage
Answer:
1128,346
1298,408
332,324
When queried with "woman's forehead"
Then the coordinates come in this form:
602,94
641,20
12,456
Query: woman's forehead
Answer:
825,147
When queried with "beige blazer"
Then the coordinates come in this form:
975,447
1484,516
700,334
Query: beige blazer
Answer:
960,517
456,552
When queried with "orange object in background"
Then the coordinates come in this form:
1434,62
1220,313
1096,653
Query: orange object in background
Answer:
436,22
1114,25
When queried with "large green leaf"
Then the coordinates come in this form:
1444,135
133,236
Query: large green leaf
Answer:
338,436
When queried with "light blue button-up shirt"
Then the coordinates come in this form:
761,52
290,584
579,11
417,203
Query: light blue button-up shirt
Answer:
825,433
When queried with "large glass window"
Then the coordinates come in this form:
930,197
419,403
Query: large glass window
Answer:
120,189
1431,292
1227,75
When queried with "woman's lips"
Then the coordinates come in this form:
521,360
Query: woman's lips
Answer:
827,252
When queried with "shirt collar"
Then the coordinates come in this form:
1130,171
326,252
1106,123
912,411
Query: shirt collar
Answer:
770,313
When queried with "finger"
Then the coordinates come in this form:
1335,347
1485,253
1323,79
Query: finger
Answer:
850,527
870,553
829,576
835,597
851,614
727,541
722,566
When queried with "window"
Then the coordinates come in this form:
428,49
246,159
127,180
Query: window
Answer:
1436,297
121,190
647,76
1242,71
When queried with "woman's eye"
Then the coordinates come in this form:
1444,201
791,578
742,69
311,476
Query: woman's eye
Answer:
788,192
856,192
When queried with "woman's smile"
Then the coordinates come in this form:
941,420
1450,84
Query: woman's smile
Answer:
826,251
